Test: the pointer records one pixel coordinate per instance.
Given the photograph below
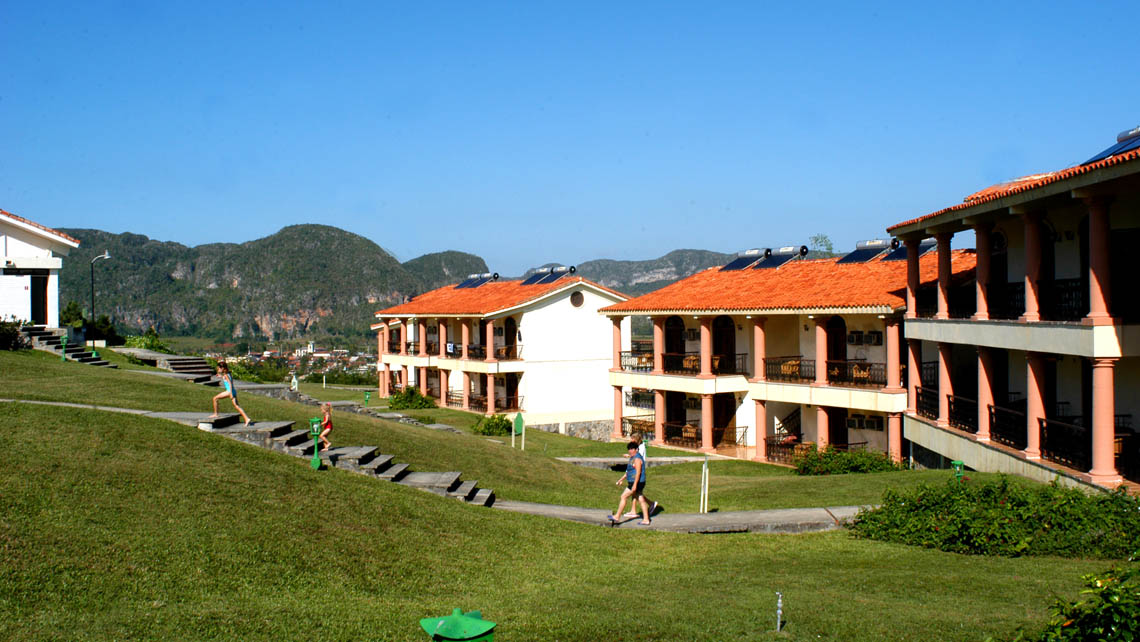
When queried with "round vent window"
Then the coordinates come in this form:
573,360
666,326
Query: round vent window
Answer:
576,299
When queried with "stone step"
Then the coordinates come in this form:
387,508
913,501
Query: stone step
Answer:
258,433
393,472
485,497
437,481
289,442
221,421
463,491
349,457
378,464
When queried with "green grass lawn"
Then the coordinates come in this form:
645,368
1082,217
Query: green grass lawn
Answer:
121,527
342,393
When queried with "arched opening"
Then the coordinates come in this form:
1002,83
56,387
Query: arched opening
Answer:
723,337
999,292
674,335
836,329
510,338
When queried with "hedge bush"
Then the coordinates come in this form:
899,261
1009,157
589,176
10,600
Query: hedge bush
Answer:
149,340
812,461
493,425
409,399
10,337
1007,519
1111,610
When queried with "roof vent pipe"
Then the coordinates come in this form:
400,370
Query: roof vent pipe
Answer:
872,244
787,250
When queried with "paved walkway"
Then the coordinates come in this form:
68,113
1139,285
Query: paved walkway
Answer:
788,520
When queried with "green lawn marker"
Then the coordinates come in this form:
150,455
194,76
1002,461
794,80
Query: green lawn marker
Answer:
315,431
520,428
469,627
367,396
63,348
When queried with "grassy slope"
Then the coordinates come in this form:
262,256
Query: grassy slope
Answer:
116,527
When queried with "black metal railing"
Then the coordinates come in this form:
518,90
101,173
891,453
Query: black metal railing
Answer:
476,352
963,413
433,348
634,361
453,350
926,302
688,435
1064,299
857,373
682,362
454,399
638,424
511,402
1008,427
781,450
926,402
730,363
509,353
640,399
413,347
478,403
394,347
1006,300
1066,444
795,369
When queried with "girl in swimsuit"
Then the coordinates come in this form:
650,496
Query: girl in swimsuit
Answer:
230,391
326,425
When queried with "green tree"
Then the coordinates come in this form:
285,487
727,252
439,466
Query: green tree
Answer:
821,243
72,315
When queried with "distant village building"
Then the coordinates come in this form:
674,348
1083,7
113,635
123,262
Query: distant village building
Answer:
1034,369
771,351
29,284
463,344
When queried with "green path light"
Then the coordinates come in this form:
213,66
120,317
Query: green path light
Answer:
63,348
367,396
315,431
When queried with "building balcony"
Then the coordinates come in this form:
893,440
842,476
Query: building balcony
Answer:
640,399
789,369
432,347
412,346
963,413
637,361
476,352
1007,426
638,424
454,399
393,347
684,363
926,403
857,373
687,435
509,353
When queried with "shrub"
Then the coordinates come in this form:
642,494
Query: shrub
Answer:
409,399
343,378
1004,518
148,340
493,425
1110,612
812,461
10,337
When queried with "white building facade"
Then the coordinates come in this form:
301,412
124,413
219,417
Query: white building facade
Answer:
29,283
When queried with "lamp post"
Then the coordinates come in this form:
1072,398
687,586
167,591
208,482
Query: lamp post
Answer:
105,255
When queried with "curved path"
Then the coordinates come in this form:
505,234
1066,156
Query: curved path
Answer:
787,520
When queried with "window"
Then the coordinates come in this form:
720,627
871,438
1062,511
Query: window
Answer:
576,299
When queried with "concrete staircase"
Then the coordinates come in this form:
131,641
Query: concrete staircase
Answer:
51,340
280,436
189,366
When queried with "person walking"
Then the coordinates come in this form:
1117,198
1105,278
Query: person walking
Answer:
230,391
639,439
635,483
326,425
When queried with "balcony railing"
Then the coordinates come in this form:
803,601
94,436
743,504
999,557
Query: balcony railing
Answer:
638,424
1064,300
509,353
963,413
1066,444
640,399
453,350
454,399
413,347
393,347
433,348
781,450
477,403
682,362
476,352
926,402
688,435
1006,300
1007,427
634,361
728,364
857,373
795,369
514,402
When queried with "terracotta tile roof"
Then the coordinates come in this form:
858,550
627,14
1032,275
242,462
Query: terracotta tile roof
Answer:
21,219
799,285
1025,184
485,299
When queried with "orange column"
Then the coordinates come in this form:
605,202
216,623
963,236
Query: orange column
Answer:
658,417
985,392
421,336
490,392
617,343
1034,404
465,333
442,339
382,341
1032,265
759,348
894,436
617,431
822,429
421,378
913,372
983,234
912,277
761,431
658,345
945,387
405,376
943,275
442,387
385,380
706,424
490,339
706,348
404,338
1099,232
820,352
1103,424
466,390
894,376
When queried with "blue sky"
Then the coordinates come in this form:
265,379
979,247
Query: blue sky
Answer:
537,132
